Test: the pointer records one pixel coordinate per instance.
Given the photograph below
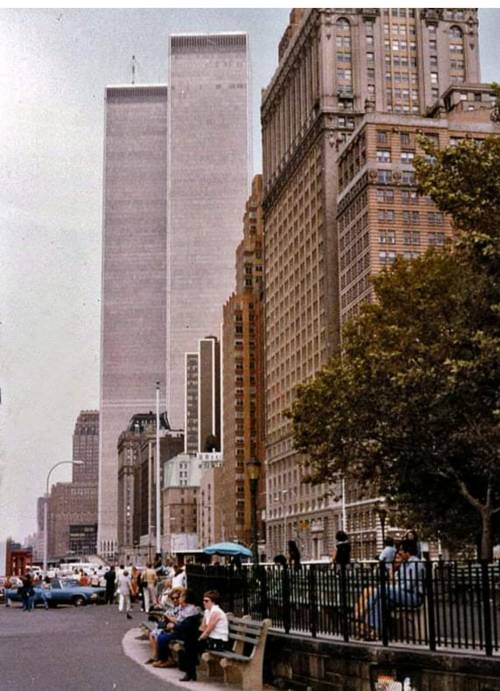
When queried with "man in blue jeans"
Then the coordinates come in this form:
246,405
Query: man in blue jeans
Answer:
407,590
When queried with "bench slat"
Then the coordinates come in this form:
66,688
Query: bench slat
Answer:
245,639
255,626
231,656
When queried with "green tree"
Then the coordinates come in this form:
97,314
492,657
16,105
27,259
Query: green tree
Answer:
411,405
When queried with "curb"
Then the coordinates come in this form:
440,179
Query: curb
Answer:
138,651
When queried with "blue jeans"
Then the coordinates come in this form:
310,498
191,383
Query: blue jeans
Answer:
28,602
395,597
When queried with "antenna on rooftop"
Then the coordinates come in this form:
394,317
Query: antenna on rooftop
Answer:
133,69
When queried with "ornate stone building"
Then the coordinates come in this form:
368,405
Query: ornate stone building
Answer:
335,67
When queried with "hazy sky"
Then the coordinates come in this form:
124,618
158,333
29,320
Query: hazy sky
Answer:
54,65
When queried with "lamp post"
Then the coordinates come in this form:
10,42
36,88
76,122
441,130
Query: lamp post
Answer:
158,488
381,511
253,469
46,510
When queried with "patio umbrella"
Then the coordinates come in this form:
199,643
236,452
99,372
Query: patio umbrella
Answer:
228,549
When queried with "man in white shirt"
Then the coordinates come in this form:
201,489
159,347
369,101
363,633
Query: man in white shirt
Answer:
124,602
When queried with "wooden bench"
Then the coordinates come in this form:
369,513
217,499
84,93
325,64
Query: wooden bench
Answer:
242,663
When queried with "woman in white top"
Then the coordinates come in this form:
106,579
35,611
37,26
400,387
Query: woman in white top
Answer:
214,627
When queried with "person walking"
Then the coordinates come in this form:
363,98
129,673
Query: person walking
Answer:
388,554
110,578
342,552
27,592
124,602
149,578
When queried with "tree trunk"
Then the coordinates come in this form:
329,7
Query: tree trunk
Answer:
486,534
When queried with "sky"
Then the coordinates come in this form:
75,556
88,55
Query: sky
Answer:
54,65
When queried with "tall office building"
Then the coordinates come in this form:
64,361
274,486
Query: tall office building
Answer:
243,377
334,66
202,418
208,178
133,329
86,447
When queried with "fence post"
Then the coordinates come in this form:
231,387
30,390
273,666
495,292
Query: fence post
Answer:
263,591
382,570
244,578
285,590
313,600
431,613
485,589
344,623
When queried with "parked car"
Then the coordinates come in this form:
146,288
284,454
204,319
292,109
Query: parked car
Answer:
68,592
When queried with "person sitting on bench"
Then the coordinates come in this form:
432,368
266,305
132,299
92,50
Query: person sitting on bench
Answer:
406,591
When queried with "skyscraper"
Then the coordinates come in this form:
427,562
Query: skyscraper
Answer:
203,405
208,179
335,66
133,334
176,176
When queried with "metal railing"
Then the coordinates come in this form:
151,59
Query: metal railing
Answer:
434,605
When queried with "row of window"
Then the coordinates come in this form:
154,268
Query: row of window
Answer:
410,217
385,156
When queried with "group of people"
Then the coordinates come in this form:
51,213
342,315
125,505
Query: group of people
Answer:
132,585
27,590
182,621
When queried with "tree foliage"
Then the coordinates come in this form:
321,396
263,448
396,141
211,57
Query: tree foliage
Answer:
412,402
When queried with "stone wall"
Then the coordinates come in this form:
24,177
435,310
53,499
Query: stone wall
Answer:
296,662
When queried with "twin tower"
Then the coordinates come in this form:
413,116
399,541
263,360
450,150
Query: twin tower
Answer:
176,177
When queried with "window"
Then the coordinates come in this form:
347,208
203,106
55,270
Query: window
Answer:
384,177
387,237
407,156
434,78
411,237
408,177
434,60
435,218
413,254
455,32
385,195
433,44
410,217
370,57
436,239
405,138
409,197
387,257
386,215
383,156
343,24
382,137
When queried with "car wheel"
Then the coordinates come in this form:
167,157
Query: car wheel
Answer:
79,601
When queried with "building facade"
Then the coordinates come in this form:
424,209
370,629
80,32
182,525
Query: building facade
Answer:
137,482
335,66
202,417
133,319
243,377
208,181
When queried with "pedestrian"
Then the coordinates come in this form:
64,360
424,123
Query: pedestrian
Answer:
43,585
110,578
293,554
94,579
179,580
342,551
84,579
134,583
124,603
27,592
149,579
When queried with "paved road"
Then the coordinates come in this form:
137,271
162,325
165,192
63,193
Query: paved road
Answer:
69,649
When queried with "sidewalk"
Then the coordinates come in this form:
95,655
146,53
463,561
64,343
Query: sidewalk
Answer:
138,651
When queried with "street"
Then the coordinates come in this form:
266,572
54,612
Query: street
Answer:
69,648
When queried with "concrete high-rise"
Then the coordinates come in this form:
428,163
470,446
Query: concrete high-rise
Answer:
335,66
133,328
208,180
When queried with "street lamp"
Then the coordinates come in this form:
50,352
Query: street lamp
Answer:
381,511
46,510
253,469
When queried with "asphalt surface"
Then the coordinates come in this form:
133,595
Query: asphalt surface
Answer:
70,649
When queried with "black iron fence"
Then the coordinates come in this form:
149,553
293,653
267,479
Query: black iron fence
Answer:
436,605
